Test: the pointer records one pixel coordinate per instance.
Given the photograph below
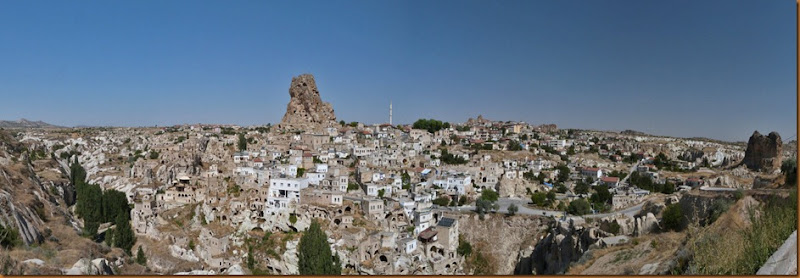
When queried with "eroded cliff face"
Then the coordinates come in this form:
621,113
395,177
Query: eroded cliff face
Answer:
696,208
763,152
563,245
503,238
34,201
306,110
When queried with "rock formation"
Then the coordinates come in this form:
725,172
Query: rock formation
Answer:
502,239
763,152
306,110
630,226
562,246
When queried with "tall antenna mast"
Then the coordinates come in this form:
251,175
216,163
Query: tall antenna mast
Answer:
390,112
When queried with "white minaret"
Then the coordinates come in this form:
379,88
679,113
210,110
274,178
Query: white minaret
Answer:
390,112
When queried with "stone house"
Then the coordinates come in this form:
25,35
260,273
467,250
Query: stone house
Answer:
372,207
447,229
215,246
322,198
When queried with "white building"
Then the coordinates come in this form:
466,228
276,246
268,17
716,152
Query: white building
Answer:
422,220
458,183
285,192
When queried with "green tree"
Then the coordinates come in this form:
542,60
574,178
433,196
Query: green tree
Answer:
251,262
514,146
489,195
464,247
483,206
140,258
512,209
581,187
538,198
602,195
300,172
314,253
406,178
441,201
462,200
123,234
77,173
613,228
114,203
90,228
242,142
579,207
89,205
673,217
563,173
9,237
293,218
381,192
551,196
449,158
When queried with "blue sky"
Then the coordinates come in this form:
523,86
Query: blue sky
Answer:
717,69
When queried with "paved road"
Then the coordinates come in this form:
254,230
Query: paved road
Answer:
503,203
633,168
631,211
709,188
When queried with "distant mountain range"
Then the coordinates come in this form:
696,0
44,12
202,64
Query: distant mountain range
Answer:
24,123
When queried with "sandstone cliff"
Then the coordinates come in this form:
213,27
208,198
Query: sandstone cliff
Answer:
306,110
763,152
563,245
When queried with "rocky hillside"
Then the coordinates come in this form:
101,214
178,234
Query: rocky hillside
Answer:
41,235
504,240
24,123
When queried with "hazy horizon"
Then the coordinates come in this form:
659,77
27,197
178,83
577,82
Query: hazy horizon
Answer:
714,69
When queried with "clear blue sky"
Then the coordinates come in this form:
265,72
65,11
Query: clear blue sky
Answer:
717,69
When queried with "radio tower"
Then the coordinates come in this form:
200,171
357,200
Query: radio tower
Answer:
390,112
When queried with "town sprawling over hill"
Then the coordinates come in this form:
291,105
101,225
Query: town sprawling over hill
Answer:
313,195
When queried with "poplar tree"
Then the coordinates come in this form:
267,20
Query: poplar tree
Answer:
314,253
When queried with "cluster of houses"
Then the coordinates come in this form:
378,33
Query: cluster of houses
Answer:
387,175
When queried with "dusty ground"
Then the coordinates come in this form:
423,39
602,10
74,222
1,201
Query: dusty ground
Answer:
630,258
650,254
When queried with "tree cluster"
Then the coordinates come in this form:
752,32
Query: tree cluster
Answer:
430,125
646,183
579,207
449,158
514,146
673,217
563,173
96,206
